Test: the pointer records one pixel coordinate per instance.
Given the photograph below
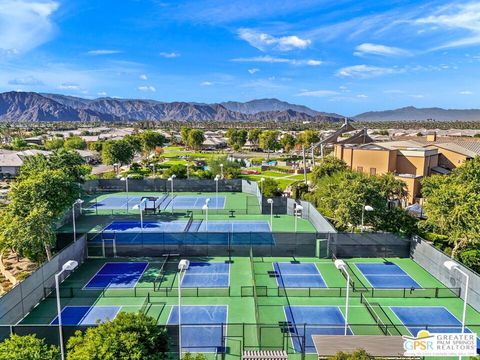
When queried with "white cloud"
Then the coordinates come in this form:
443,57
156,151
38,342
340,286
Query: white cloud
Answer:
366,71
24,24
102,93
148,88
318,93
362,96
169,55
27,80
457,16
206,83
68,86
253,71
143,77
264,42
381,50
466,92
278,60
99,52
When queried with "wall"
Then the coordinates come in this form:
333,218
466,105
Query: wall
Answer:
450,159
20,300
381,160
432,259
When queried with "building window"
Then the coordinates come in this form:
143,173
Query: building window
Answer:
373,171
360,168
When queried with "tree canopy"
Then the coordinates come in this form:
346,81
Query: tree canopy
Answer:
117,151
27,347
237,138
128,336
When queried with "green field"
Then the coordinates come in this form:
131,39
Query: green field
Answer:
255,322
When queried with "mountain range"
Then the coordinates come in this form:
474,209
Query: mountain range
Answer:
38,107
30,106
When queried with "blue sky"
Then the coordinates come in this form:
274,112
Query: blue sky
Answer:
340,56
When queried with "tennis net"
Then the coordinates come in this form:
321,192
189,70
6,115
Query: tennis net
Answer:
189,223
382,326
255,295
145,305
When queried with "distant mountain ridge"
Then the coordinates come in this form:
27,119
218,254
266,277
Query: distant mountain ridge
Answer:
411,113
37,107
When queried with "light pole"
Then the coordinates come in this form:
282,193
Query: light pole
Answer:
297,210
188,171
153,168
140,206
340,265
262,180
452,266
77,202
68,266
182,267
125,178
365,208
217,177
205,207
171,181
270,201
115,168
221,170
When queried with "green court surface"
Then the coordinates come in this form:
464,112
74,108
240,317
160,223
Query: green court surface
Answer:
245,207
256,303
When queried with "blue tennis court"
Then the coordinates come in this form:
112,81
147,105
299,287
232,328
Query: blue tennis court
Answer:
207,275
182,202
198,232
117,275
123,202
86,315
298,275
202,329
313,320
386,276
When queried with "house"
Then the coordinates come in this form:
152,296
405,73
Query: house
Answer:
11,161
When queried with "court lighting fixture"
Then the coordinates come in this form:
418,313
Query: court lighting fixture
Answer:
365,208
68,266
171,178
298,210
217,177
183,266
125,178
340,265
205,208
270,201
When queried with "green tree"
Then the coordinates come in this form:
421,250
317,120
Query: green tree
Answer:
254,136
270,188
356,355
268,141
196,137
179,170
452,205
136,141
75,142
18,143
95,146
184,131
128,336
231,169
27,347
236,138
327,167
151,140
190,356
54,143
117,151
288,142
308,137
